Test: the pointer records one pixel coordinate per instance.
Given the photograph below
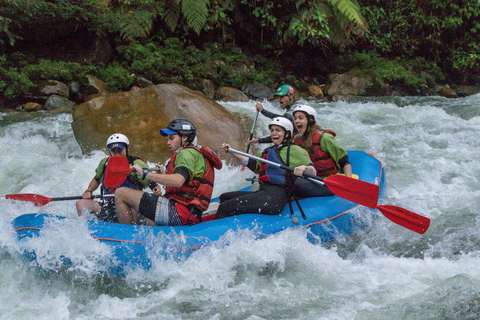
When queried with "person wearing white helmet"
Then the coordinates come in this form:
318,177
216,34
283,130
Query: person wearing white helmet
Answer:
275,184
327,155
118,145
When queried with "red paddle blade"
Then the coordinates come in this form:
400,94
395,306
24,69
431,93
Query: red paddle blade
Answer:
38,200
354,190
117,171
406,218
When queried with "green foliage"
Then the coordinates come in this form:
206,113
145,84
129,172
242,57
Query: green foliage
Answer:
4,31
161,41
57,70
171,14
21,74
312,22
48,19
266,72
441,31
136,24
184,62
12,81
135,18
195,12
311,27
116,76
350,9
393,72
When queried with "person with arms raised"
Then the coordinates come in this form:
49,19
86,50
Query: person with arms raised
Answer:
188,179
275,184
286,98
118,145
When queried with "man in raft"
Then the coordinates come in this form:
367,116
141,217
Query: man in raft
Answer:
118,145
188,179
287,100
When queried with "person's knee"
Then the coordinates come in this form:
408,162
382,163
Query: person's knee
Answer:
121,193
222,212
80,205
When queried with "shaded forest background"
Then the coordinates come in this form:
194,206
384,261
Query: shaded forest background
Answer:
185,41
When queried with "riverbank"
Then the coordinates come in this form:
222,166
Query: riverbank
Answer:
30,83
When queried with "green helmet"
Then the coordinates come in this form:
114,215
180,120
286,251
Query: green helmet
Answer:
285,90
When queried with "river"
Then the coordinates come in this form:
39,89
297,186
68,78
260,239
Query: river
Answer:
430,148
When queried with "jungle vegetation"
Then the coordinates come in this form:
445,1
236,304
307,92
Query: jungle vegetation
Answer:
182,41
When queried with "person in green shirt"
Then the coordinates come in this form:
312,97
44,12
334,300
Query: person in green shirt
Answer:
275,184
327,155
118,145
188,179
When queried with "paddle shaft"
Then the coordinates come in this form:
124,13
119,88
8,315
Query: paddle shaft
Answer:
39,200
126,171
354,190
310,177
98,196
398,215
253,128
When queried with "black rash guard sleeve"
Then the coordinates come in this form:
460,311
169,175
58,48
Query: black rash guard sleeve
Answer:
183,171
265,140
343,162
252,164
272,115
269,114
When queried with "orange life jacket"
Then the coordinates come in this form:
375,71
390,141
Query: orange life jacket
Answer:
197,191
323,162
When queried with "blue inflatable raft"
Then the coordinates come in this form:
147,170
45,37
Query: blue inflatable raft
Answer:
133,246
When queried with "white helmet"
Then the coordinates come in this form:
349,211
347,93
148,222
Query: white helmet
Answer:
307,109
118,138
282,122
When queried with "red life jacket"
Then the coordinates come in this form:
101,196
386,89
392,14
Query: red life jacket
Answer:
197,191
131,181
323,162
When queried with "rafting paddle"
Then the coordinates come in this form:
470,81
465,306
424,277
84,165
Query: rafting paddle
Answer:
357,191
39,200
253,129
117,171
360,192
405,218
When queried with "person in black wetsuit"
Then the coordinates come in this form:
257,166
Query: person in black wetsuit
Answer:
275,184
287,99
118,145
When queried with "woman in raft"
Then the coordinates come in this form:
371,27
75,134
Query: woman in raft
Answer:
275,184
327,155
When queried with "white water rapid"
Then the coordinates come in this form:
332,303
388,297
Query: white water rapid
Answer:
430,148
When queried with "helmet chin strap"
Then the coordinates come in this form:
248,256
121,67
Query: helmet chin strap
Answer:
285,137
184,144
